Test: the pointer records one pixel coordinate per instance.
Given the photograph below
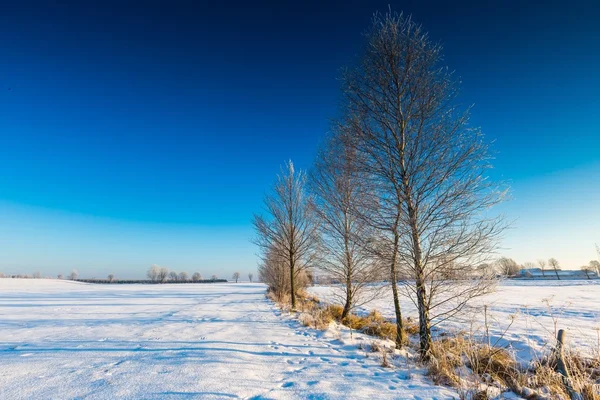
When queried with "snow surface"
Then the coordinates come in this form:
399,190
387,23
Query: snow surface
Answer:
521,314
69,340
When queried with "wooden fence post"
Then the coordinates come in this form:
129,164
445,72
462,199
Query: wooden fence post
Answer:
561,366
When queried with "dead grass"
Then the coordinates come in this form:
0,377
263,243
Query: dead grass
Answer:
467,365
461,362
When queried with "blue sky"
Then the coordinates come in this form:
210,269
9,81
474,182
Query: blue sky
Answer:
148,133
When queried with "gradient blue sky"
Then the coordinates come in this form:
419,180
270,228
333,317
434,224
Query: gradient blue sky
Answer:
140,133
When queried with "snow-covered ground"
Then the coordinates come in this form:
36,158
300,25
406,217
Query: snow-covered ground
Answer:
521,314
68,340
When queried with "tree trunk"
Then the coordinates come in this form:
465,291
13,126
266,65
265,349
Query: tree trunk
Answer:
394,277
399,329
348,304
349,271
292,288
424,323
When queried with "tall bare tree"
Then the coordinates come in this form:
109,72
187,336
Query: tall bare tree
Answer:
289,229
250,276
236,276
183,276
553,263
430,168
341,194
196,277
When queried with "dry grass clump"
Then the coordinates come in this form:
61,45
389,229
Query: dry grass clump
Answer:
446,358
584,376
378,326
336,311
486,364
282,299
475,367
493,363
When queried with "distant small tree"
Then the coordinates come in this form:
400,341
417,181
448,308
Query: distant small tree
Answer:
595,266
542,264
529,265
587,269
60,276
163,274
153,273
508,266
37,275
250,276
111,277
73,275
236,276
553,263
173,276
196,277
214,277
183,276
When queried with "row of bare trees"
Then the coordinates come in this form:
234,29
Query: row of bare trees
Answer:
550,268
159,274
399,190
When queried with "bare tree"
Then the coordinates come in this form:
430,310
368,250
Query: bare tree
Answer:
111,277
250,276
173,276
587,269
289,228
196,277
429,167
153,273
59,276
214,278
163,274
542,264
73,275
553,263
595,266
183,276
236,276
340,193
529,265
507,266
273,270
37,275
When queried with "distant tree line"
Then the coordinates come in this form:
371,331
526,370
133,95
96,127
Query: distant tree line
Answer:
550,268
147,281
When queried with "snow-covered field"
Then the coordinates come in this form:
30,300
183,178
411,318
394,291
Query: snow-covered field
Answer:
68,340
521,314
